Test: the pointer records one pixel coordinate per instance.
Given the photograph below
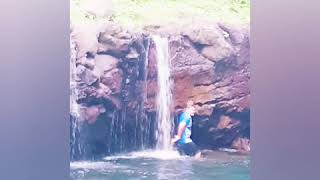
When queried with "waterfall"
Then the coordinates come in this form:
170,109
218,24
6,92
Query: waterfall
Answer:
144,123
164,96
130,135
74,106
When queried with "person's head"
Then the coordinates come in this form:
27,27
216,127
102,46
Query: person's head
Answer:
190,108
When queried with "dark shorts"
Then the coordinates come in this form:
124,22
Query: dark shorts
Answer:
189,149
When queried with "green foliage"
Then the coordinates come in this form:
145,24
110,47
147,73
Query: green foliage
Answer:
138,13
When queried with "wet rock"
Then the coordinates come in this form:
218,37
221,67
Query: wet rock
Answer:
242,145
116,101
103,91
90,114
226,123
133,54
220,135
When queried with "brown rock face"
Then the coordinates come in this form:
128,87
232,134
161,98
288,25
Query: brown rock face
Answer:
117,70
226,123
212,40
210,65
210,84
110,87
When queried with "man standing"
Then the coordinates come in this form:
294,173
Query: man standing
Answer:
185,144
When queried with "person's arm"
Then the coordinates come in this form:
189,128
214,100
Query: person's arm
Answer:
182,126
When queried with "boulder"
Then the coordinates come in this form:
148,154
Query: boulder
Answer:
204,34
87,62
114,39
85,36
113,80
103,91
104,63
85,75
217,52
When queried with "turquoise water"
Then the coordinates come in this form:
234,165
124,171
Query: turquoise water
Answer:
163,165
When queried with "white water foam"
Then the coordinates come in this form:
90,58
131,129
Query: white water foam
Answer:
90,165
161,155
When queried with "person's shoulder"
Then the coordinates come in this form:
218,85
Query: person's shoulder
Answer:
184,116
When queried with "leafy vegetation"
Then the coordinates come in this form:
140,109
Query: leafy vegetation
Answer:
139,13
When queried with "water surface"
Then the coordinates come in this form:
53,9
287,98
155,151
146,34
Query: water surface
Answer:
163,165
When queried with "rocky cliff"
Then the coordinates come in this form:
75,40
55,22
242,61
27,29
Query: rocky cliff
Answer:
117,83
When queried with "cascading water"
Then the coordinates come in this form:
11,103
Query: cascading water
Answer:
74,106
164,96
127,130
142,122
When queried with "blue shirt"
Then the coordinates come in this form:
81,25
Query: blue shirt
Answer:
186,119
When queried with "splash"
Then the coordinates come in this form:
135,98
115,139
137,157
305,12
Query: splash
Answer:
148,154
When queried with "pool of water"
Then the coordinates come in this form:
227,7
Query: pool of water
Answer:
163,165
